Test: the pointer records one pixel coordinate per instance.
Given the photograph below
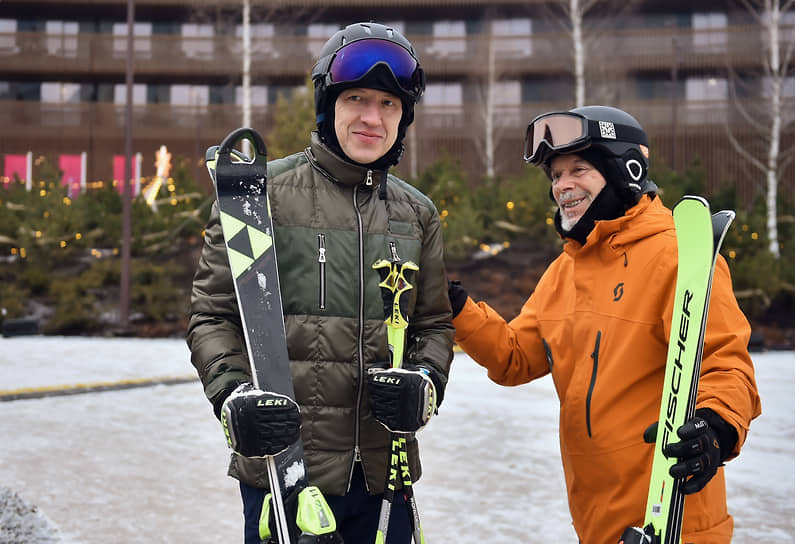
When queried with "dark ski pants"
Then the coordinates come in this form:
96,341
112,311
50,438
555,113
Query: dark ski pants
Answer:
356,513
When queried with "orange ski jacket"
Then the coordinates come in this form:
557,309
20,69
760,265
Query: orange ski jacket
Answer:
599,322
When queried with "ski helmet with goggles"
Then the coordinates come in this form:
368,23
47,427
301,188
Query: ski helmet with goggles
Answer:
613,132
367,55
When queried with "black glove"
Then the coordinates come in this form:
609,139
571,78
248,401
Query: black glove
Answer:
259,423
457,295
402,399
706,442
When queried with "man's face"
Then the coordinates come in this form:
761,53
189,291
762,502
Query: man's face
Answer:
575,184
366,123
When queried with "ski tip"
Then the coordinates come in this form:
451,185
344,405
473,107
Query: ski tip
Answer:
211,152
693,199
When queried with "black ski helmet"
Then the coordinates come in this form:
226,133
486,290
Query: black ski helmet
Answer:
615,134
368,55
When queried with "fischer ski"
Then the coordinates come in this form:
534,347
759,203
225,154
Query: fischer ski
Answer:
244,209
699,237
396,277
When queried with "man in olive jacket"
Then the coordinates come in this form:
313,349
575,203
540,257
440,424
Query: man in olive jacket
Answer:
336,211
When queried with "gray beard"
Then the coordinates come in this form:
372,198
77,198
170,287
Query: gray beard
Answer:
566,223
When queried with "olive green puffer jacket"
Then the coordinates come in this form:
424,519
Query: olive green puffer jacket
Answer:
332,221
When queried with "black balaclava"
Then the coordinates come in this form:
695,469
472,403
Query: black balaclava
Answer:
380,79
607,205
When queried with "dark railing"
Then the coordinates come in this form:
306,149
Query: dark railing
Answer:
175,56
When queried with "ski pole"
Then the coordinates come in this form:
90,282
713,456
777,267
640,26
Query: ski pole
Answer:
396,277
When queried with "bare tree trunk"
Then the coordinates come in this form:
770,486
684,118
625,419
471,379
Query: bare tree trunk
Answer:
769,123
775,130
490,109
246,70
575,15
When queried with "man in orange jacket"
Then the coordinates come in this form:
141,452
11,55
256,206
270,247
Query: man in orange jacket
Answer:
599,322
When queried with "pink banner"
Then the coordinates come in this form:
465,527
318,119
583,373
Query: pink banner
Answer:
15,164
72,168
118,173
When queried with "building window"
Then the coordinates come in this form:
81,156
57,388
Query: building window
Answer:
706,88
449,39
554,90
8,40
259,95
656,87
142,40
62,38
709,32
60,93
443,94
512,37
158,93
221,94
120,93
197,41
20,90
190,95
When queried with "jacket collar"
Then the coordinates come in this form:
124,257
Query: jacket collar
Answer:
340,170
646,218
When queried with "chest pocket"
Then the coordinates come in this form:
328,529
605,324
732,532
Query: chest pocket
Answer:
403,241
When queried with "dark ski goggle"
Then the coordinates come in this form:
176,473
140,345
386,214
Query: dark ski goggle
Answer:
567,132
354,60
559,131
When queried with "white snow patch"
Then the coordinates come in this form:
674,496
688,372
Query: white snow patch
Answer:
149,465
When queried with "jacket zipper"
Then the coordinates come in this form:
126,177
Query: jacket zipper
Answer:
595,356
321,259
360,350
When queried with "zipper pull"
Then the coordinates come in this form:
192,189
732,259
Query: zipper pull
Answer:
358,454
321,248
393,251
369,179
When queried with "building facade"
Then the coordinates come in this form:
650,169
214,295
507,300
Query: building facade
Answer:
691,72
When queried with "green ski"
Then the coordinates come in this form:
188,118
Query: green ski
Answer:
699,236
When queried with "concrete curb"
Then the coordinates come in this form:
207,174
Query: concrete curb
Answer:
94,387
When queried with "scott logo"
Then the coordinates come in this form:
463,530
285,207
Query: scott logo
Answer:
618,292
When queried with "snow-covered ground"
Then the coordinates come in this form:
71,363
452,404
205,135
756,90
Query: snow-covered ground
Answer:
148,464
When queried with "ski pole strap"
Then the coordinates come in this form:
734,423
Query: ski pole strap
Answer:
396,278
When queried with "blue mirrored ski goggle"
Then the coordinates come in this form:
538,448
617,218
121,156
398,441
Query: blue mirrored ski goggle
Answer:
354,60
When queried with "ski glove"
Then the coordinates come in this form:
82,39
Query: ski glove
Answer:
706,442
402,399
259,423
457,295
